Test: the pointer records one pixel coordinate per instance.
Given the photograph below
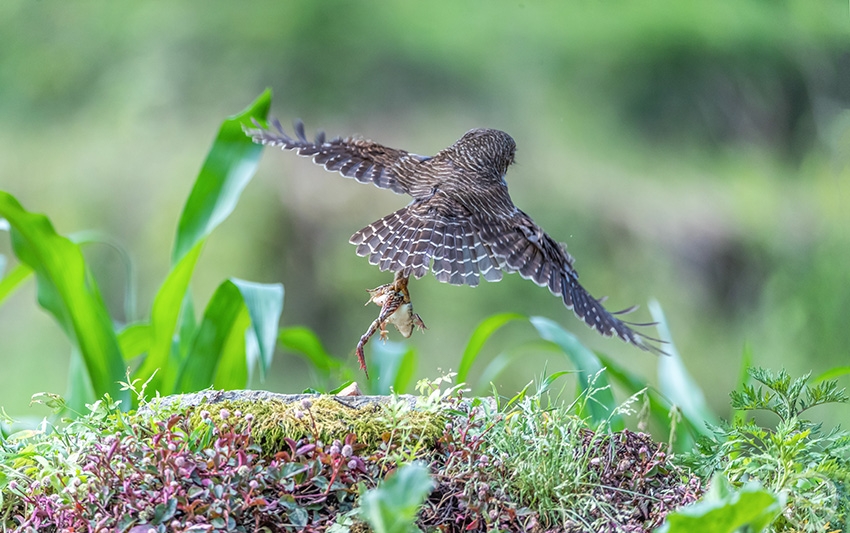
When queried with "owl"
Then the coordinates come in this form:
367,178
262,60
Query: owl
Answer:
461,224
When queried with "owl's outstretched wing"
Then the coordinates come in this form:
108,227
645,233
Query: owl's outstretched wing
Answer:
363,160
522,246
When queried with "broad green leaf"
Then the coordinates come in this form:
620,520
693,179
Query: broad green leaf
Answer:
602,404
229,167
230,164
13,280
80,390
406,371
186,327
135,339
338,388
219,344
501,362
393,505
480,334
303,341
265,305
67,291
233,370
164,314
674,380
726,510
391,364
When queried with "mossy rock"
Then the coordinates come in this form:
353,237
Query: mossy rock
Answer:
277,417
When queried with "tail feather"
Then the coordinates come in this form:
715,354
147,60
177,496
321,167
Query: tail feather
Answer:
422,249
470,258
406,242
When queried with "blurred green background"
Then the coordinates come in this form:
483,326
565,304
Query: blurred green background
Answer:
694,152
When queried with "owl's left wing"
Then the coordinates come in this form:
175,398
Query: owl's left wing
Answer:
363,160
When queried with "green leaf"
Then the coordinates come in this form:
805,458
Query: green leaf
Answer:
13,280
394,364
602,404
135,339
724,510
265,305
832,373
393,505
501,362
217,353
480,334
67,291
229,166
164,314
674,380
303,341
80,390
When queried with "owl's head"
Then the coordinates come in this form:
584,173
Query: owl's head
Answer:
485,151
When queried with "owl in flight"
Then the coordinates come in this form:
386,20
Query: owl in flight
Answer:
461,224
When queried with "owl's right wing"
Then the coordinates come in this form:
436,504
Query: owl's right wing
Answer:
519,245
363,160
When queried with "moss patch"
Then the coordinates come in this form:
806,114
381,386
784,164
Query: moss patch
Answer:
328,419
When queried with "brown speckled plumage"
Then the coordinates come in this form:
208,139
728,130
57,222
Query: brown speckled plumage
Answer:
461,224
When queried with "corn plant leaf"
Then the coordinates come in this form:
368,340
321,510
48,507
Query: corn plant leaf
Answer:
265,305
229,167
676,382
480,334
68,292
213,346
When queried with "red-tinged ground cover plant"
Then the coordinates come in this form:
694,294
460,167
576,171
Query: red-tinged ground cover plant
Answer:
203,468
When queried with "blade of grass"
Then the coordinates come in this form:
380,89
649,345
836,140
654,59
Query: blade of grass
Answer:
67,291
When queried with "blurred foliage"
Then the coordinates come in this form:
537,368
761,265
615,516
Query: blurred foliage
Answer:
695,152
